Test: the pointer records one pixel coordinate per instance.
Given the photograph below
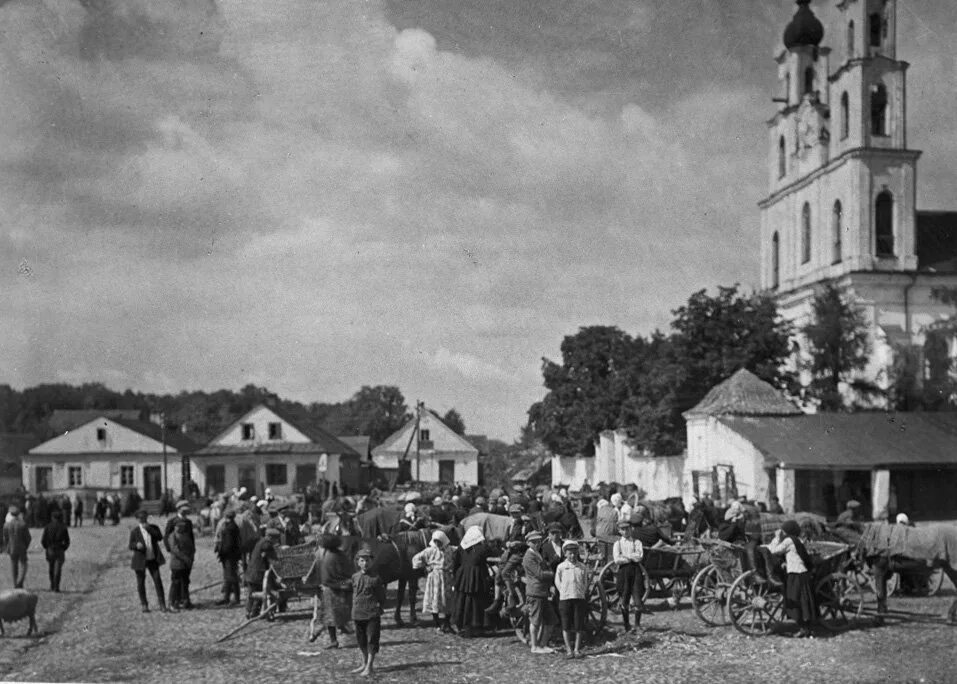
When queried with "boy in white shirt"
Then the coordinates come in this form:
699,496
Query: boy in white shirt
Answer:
571,579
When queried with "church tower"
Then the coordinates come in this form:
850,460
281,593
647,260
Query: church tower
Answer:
842,181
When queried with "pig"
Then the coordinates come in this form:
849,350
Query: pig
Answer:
16,604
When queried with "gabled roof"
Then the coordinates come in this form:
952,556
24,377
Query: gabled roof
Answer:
175,439
359,444
321,441
62,420
744,394
851,440
398,440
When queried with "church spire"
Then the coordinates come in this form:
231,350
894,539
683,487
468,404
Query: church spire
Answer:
805,29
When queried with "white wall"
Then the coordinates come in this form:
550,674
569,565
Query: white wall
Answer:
231,464
711,443
260,418
99,471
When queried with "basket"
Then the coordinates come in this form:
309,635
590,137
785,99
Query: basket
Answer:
295,562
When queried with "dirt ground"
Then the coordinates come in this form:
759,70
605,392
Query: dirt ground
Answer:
95,632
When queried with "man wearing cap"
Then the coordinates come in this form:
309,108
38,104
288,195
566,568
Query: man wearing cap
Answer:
552,547
260,560
147,557
229,552
479,507
16,541
182,514
538,581
627,554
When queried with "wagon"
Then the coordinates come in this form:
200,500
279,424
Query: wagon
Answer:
756,606
668,572
710,587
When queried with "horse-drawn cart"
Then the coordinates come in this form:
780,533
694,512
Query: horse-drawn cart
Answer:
710,587
668,572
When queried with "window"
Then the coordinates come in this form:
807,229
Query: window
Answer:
275,474
75,476
424,435
806,233
809,80
775,260
126,476
249,431
879,109
845,116
884,225
275,431
782,158
837,228
850,39
101,434
876,26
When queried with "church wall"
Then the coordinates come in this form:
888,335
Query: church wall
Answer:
711,443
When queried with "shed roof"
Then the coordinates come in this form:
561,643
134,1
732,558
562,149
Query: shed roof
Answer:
851,440
744,394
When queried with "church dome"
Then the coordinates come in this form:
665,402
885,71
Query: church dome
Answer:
804,29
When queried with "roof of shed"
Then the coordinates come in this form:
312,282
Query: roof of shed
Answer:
744,394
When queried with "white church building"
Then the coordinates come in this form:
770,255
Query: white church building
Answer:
842,205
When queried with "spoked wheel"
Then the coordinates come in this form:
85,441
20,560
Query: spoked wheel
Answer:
709,595
840,601
676,588
596,610
608,581
755,608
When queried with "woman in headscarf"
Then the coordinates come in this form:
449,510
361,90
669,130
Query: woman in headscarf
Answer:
436,558
471,582
798,593
410,520
336,578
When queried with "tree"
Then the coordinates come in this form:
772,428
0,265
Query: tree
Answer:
838,347
454,421
377,412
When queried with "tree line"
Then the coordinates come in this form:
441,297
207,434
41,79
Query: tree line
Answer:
608,379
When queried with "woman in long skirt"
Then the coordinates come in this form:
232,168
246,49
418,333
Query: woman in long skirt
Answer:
471,582
336,578
798,593
437,559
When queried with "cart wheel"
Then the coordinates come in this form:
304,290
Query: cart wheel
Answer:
755,608
709,596
676,588
609,583
644,572
840,601
596,610
935,581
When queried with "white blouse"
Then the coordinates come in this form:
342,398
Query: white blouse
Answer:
791,558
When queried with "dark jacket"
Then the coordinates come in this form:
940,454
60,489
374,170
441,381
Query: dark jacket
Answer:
16,537
171,525
550,555
230,542
182,551
264,553
538,578
138,562
55,539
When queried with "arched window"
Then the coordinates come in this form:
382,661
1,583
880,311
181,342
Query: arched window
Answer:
879,110
876,27
850,39
775,260
782,157
837,229
884,225
809,80
806,233
845,116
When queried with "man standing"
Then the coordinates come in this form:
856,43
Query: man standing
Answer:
16,540
182,514
147,557
55,541
230,551
538,580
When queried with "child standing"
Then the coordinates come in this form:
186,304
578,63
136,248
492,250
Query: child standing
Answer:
571,578
798,595
627,553
182,551
368,597
437,559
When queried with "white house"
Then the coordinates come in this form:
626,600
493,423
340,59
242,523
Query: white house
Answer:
435,452
270,447
109,454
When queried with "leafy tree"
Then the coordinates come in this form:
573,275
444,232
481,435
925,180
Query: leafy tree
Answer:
377,411
454,421
838,347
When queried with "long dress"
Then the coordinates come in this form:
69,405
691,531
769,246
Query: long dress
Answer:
336,577
472,586
438,579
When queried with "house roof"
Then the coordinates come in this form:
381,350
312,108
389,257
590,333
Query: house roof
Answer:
395,443
173,438
851,440
937,241
62,420
321,441
744,394
359,444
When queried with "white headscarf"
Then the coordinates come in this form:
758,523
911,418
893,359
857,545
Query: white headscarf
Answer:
473,536
409,508
616,499
439,535
602,503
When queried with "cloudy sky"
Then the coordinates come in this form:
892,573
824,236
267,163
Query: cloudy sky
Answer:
316,195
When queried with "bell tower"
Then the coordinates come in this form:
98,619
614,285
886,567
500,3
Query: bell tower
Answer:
842,181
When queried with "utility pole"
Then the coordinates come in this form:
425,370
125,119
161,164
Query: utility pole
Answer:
418,460
163,433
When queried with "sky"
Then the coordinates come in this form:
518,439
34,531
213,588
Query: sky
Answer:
313,196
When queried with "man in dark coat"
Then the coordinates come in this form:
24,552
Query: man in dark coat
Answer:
16,541
55,541
260,560
230,551
182,514
147,557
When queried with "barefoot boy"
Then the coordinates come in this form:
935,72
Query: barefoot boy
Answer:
368,597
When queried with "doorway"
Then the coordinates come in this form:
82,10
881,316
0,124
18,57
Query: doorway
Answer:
247,477
44,478
152,483
447,471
